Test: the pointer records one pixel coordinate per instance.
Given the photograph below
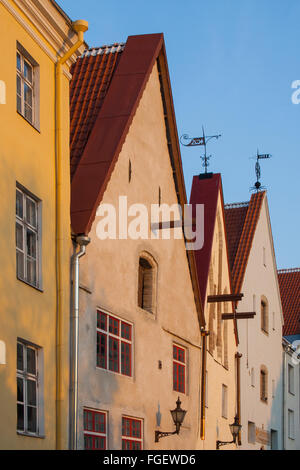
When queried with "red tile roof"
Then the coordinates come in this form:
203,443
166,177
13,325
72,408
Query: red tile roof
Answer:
122,83
241,222
289,285
206,192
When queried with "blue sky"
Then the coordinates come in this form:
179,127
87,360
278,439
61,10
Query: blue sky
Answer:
232,63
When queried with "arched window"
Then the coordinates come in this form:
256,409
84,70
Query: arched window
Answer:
146,285
264,384
264,311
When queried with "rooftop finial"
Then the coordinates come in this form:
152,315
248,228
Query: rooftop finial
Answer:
196,141
257,186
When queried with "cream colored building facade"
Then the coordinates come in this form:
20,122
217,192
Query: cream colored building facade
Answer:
260,337
143,393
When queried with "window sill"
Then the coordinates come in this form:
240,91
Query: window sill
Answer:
30,285
30,123
27,434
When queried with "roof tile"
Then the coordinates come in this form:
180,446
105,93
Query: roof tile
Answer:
289,285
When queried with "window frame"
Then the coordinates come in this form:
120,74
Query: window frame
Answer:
100,332
26,226
291,379
133,439
33,86
251,432
224,401
264,313
177,363
148,271
264,377
93,433
26,376
291,424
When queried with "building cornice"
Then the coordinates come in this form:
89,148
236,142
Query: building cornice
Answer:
54,27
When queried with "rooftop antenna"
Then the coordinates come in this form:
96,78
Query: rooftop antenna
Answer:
196,141
257,186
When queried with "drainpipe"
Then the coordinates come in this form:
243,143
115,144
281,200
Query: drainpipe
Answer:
80,27
204,335
283,397
82,241
238,393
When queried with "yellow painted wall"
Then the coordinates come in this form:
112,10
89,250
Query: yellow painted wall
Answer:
27,156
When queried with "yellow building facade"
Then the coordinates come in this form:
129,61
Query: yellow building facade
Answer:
39,44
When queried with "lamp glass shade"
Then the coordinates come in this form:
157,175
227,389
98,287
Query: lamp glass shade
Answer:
178,414
235,427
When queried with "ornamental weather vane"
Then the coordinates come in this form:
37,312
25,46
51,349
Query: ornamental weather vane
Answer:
196,141
257,186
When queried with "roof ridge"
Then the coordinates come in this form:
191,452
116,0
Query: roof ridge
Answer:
288,270
234,205
106,49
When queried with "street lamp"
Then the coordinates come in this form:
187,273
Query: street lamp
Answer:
235,428
178,415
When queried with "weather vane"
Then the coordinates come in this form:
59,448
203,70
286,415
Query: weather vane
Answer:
196,141
257,186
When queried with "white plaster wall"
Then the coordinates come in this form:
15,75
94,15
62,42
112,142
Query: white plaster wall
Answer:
291,402
257,347
110,271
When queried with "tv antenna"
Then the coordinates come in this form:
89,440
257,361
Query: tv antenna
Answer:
196,141
257,186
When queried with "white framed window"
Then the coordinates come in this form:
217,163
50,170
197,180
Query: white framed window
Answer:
132,433
27,237
27,86
114,344
224,401
95,429
291,379
291,424
27,388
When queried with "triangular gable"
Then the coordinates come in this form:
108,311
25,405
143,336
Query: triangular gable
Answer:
241,223
206,192
106,133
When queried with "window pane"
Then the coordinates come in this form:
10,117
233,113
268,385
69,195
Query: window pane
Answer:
114,326
20,390
136,428
28,94
125,358
126,331
126,427
88,420
31,271
20,265
113,354
136,445
31,416
28,112
18,61
102,321
19,106
31,212
88,442
126,445
31,243
99,423
20,417
18,85
31,361
99,443
31,392
28,71
19,236
20,357
101,350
